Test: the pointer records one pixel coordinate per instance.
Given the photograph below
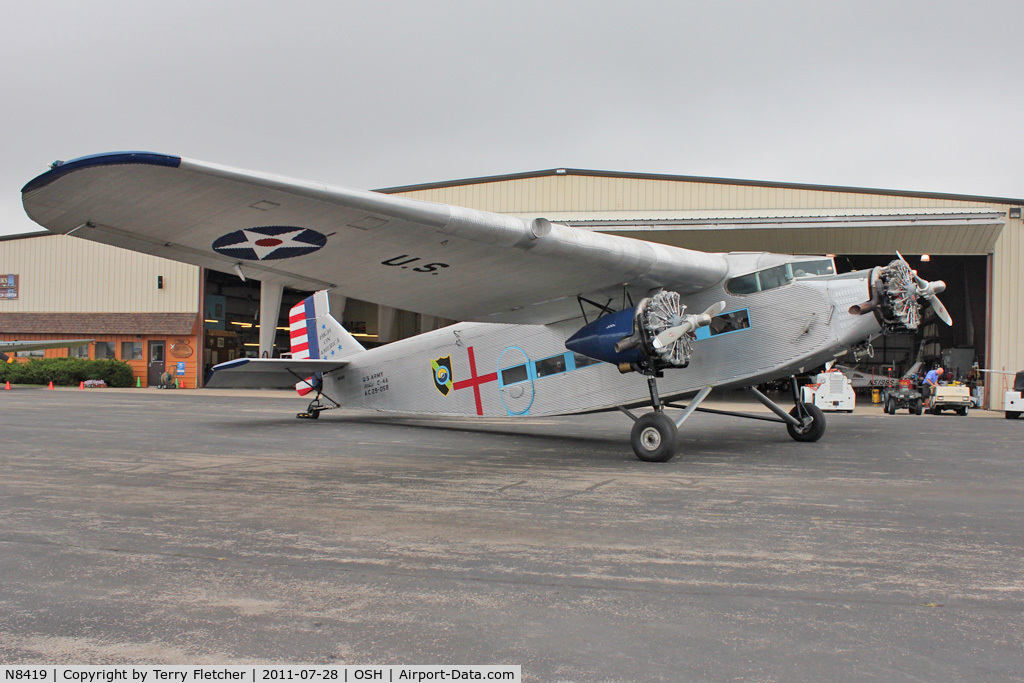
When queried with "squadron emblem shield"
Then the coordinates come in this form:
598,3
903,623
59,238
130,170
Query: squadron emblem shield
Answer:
442,374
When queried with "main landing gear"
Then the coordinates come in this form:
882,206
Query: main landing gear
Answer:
654,434
317,406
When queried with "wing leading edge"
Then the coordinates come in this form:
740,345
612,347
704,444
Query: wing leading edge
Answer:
427,257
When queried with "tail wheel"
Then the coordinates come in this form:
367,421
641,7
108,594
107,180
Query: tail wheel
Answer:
811,431
653,437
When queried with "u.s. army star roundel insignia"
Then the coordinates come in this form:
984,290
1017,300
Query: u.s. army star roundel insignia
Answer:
269,243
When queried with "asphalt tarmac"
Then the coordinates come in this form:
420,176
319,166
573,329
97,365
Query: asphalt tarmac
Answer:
185,527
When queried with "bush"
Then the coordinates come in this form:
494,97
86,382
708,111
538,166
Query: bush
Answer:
67,372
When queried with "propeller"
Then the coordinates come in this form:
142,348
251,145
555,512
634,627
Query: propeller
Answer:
930,291
689,324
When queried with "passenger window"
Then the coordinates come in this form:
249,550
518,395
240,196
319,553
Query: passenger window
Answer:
514,375
730,322
744,284
550,366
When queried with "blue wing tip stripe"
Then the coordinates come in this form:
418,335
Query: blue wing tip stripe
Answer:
106,159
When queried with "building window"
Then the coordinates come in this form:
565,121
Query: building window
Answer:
79,351
36,353
105,350
131,350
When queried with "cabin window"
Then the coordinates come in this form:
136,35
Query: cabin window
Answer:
514,375
550,366
730,322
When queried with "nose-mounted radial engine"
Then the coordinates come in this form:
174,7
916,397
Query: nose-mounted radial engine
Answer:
896,293
655,335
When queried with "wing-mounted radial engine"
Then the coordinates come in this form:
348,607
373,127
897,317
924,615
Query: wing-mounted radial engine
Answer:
896,294
654,336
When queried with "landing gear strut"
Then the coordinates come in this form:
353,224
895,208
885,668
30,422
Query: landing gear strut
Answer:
654,434
317,406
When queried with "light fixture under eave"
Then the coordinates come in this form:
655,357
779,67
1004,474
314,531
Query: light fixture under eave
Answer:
926,258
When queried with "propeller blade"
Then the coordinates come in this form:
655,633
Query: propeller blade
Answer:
666,337
940,310
715,309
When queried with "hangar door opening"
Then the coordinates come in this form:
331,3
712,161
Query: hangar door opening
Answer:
955,348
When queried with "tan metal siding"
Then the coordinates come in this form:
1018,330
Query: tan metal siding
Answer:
1007,334
64,274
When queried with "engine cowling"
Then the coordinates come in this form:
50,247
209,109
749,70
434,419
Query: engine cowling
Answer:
655,335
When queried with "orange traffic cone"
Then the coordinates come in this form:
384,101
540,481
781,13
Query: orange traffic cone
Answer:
8,386
81,385
51,385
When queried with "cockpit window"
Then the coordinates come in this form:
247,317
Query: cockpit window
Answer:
812,268
777,276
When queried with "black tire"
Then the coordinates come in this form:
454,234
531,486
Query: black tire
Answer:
963,411
812,432
1012,414
890,406
917,408
653,437
936,410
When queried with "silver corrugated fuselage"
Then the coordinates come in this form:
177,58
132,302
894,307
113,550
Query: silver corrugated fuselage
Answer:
522,370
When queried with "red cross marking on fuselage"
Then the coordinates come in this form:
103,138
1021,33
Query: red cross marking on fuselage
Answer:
475,381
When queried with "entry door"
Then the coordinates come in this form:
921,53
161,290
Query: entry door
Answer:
156,363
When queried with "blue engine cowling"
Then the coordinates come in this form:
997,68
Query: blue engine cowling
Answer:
598,339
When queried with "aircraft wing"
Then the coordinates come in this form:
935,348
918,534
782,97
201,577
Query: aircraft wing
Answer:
267,373
13,346
438,259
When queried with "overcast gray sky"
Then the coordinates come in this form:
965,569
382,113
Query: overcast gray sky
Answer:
901,95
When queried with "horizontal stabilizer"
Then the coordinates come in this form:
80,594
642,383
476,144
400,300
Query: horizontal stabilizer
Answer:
268,373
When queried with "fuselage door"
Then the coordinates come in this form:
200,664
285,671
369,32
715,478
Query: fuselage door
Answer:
515,380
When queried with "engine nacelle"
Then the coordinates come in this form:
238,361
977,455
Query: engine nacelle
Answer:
655,335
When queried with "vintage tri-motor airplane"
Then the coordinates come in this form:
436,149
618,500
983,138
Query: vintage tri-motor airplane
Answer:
560,320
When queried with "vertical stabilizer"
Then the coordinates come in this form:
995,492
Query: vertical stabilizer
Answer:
315,334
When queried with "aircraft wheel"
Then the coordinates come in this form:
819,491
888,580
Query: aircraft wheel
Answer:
812,432
653,437
1012,414
918,408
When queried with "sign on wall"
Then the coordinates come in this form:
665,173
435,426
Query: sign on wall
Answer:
8,286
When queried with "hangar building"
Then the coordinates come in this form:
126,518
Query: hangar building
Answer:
974,243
